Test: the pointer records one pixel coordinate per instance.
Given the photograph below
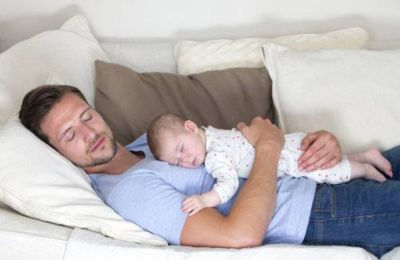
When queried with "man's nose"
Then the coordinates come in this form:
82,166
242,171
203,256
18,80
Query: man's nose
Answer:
88,132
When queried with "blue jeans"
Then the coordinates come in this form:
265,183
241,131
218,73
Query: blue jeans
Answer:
360,213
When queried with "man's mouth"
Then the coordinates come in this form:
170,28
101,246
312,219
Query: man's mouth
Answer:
98,144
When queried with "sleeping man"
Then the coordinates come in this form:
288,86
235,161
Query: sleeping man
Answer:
265,210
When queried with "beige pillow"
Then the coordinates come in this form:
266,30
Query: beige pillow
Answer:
352,93
199,56
129,100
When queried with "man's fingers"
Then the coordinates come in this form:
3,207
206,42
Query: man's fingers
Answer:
307,141
321,151
310,151
321,158
316,160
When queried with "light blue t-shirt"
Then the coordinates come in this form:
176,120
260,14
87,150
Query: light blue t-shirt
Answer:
150,194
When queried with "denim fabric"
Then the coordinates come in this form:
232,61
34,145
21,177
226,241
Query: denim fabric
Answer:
393,155
360,213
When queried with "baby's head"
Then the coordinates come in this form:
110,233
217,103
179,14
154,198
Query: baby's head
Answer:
176,141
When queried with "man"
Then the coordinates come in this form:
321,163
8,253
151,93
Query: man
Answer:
150,192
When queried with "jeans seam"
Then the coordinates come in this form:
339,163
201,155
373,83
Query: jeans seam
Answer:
333,205
318,200
361,216
320,232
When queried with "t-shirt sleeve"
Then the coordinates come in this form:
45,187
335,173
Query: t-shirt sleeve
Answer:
152,204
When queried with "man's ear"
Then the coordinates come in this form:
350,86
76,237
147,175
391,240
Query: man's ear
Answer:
191,126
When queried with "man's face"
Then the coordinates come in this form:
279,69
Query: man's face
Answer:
79,133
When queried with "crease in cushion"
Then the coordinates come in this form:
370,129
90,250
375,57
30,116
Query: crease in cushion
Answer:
351,93
199,56
129,100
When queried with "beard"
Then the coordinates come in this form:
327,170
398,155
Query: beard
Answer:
104,159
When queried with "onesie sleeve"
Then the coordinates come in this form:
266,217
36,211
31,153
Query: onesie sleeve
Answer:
221,166
152,204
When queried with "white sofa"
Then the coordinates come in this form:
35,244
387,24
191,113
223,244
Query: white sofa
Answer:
23,237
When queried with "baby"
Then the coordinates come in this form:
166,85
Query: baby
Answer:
227,155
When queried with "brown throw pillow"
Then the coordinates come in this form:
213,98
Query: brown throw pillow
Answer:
129,100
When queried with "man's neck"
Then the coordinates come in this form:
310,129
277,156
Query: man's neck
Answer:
122,160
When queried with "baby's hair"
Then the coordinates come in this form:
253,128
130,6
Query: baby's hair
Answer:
162,124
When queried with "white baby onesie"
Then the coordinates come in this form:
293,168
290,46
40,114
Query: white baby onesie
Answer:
230,155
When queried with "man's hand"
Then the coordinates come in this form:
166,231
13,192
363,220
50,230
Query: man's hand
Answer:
261,130
321,150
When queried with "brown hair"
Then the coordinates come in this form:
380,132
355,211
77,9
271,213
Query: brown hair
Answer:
159,127
38,102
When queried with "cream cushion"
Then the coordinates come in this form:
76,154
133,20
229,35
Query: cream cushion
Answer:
34,179
352,93
199,56
69,52
37,181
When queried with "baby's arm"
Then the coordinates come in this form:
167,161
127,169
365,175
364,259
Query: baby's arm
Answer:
219,162
195,203
225,187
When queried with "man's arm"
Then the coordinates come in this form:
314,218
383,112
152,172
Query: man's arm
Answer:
253,209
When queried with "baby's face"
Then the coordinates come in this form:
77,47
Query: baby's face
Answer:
185,149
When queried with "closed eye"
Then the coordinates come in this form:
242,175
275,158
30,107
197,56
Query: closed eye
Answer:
88,116
69,136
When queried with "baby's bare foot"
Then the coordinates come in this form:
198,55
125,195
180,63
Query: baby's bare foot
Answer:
375,158
373,174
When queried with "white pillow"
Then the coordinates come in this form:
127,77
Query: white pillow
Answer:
69,51
352,93
38,182
195,57
34,179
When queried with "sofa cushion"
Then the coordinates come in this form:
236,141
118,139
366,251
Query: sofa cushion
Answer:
129,100
68,52
199,56
352,93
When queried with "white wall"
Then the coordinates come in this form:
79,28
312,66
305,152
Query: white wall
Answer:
198,19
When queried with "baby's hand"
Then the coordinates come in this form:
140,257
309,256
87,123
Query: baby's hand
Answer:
193,204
